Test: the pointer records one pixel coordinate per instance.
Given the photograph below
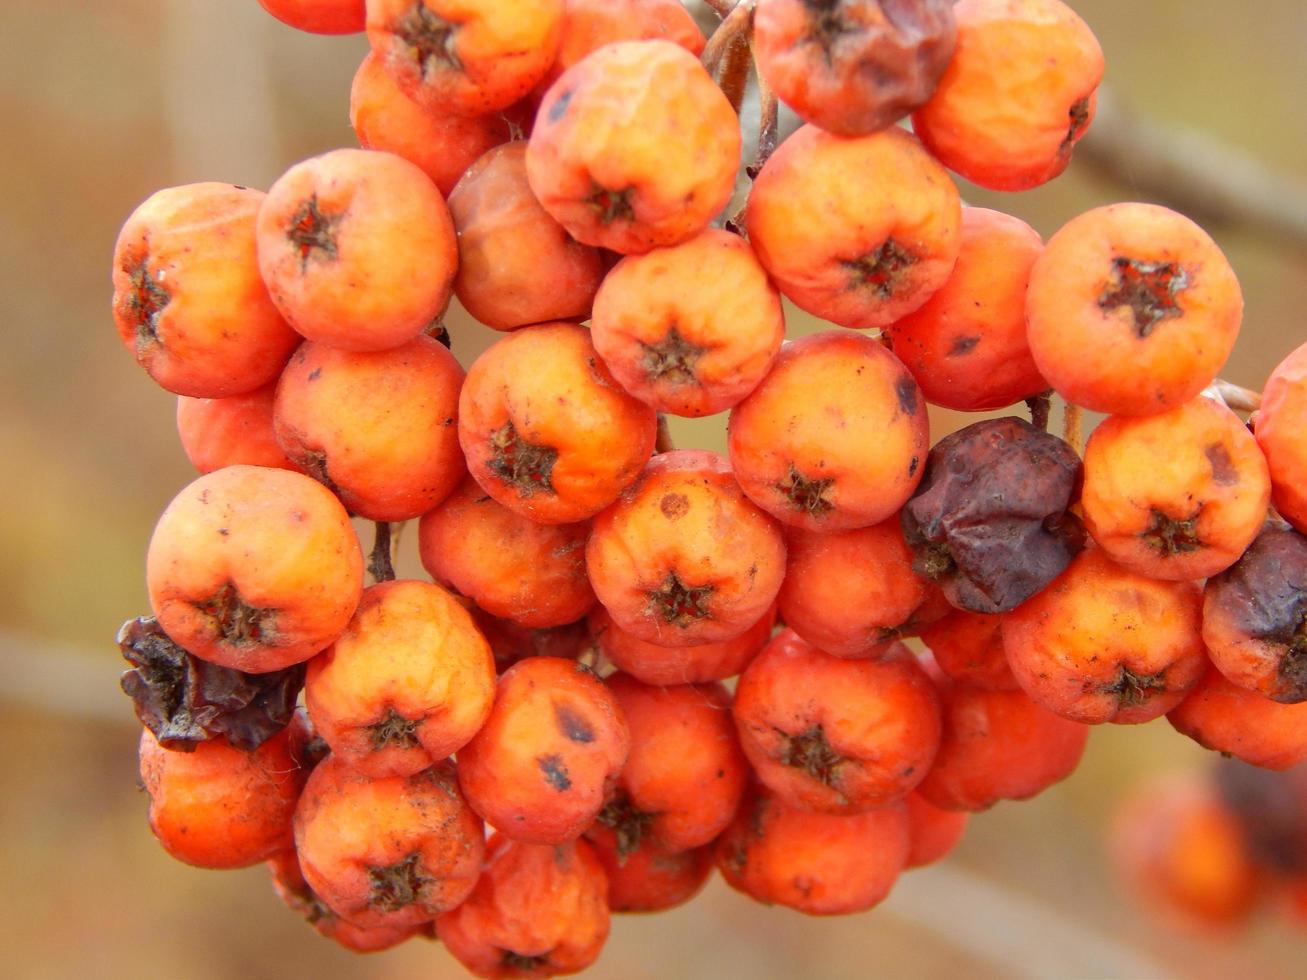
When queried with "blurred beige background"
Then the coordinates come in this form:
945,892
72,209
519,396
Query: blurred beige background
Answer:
104,101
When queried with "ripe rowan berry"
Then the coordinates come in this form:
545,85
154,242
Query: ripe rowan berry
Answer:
857,231
1178,495
697,663
357,249
546,430
683,557
1131,309
441,144
634,147
817,863
835,735
1104,643
989,521
811,472
218,432
854,593
1235,721
968,648
510,642
532,574
644,881
934,832
537,911
967,345
1255,617
1017,95
590,24
1180,849
541,766
853,66
685,774
319,16
187,298
394,851
516,264
998,745
1281,428
254,568
465,57
689,329
409,682
377,428
289,884
216,806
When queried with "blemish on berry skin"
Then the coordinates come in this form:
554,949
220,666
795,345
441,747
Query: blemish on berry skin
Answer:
1149,290
963,346
559,108
906,389
1224,471
555,772
674,505
572,725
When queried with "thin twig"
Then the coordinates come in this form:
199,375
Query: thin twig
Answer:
737,21
768,123
1192,172
1072,415
720,7
735,69
381,564
1234,396
663,440
1040,405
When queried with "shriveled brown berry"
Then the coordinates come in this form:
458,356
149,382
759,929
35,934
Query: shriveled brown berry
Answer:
1255,617
184,700
989,521
853,66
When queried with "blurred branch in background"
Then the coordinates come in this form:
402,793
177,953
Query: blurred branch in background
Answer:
63,680
1192,172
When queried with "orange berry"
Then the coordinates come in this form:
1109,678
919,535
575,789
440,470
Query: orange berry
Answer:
689,329
854,593
319,16
817,863
187,298
465,57
1131,310
1235,721
1281,427
634,147
1180,848
998,745
833,735
934,832
540,767
642,881
546,430
683,557
409,682
590,24
516,264
357,248
378,428
1178,495
390,852
1017,95
221,807
218,432
254,568
967,345
968,648
857,231
289,884
532,574
697,663
801,468
443,145
536,911
1104,643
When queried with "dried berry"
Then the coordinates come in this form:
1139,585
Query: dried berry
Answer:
1255,617
989,521
854,66
184,700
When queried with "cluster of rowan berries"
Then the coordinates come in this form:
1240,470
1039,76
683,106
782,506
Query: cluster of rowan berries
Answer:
551,163
1204,851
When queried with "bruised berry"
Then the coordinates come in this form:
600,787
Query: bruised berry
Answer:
989,521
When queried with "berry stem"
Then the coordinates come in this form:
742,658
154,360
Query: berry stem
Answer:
1040,405
768,124
1234,396
381,563
663,440
720,7
1072,415
738,21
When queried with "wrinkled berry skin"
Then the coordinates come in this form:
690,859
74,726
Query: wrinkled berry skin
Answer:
854,66
1255,617
989,521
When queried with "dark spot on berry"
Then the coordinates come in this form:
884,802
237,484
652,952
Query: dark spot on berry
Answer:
1170,536
1077,120
555,772
234,620
906,389
610,205
146,303
1147,289
913,464
1224,471
882,271
559,107
963,346
523,465
674,505
572,725
312,232
810,752
315,374
628,823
